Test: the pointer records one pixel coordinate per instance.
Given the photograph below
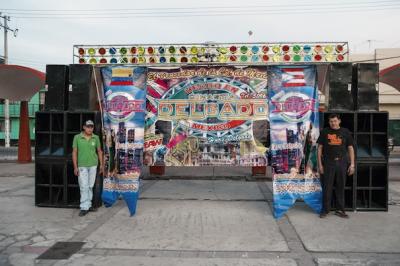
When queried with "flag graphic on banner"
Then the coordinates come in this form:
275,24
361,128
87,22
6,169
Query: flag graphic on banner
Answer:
121,77
293,77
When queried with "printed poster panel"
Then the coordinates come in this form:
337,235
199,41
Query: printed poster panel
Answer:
294,131
206,116
124,106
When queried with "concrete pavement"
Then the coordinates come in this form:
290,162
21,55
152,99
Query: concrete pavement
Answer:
194,222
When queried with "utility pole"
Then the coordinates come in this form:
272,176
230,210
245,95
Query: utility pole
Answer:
6,101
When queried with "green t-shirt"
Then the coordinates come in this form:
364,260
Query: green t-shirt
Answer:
87,149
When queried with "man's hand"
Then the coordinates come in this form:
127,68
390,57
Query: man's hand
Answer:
321,169
350,170
76,171
101,169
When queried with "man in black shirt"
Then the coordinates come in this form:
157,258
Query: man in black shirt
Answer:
335,146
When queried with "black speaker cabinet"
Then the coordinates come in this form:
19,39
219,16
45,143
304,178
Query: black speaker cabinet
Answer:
50,136
56,88
372,136
365,86
57,186
339,97
82,89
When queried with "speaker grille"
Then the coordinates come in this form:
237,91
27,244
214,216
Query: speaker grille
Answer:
57,88
82,93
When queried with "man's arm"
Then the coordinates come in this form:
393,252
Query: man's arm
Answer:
350,149
101,159
100,155
75,161
320,166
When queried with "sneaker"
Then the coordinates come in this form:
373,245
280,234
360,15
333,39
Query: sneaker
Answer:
83,213
93,209
341,214
323,215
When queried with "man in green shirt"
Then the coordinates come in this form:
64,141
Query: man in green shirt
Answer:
86,153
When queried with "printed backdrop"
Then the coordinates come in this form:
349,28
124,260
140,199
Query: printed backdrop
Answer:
293,99
194,116
206,116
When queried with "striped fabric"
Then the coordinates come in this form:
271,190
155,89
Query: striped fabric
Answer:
293,77
121,77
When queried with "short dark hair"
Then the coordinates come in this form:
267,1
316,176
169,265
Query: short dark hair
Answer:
331,116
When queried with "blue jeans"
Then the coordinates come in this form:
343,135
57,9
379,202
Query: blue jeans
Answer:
86,178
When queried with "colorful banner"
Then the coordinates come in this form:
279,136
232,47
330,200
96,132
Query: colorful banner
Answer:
206,116
123,132
293,103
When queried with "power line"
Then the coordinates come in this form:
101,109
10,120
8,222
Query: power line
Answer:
208,14
227,10
375,59
215,11
203,7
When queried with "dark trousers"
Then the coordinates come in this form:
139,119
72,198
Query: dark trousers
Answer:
335,172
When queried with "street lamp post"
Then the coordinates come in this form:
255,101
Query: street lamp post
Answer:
6,101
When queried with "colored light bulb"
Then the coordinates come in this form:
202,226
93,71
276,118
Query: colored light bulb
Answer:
276,49
306,48
91,51
141,50
142,60
182,50
297,58
243,49
296,49
171,49
102,51
243,58
112,50
194,50
123,50
255,49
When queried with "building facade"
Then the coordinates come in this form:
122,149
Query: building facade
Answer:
14,110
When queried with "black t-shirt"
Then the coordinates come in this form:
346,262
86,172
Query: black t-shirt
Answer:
335,143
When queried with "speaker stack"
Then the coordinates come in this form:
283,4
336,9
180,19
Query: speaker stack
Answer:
55,182
367,189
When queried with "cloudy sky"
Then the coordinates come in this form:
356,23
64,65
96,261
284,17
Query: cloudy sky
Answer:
48,29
